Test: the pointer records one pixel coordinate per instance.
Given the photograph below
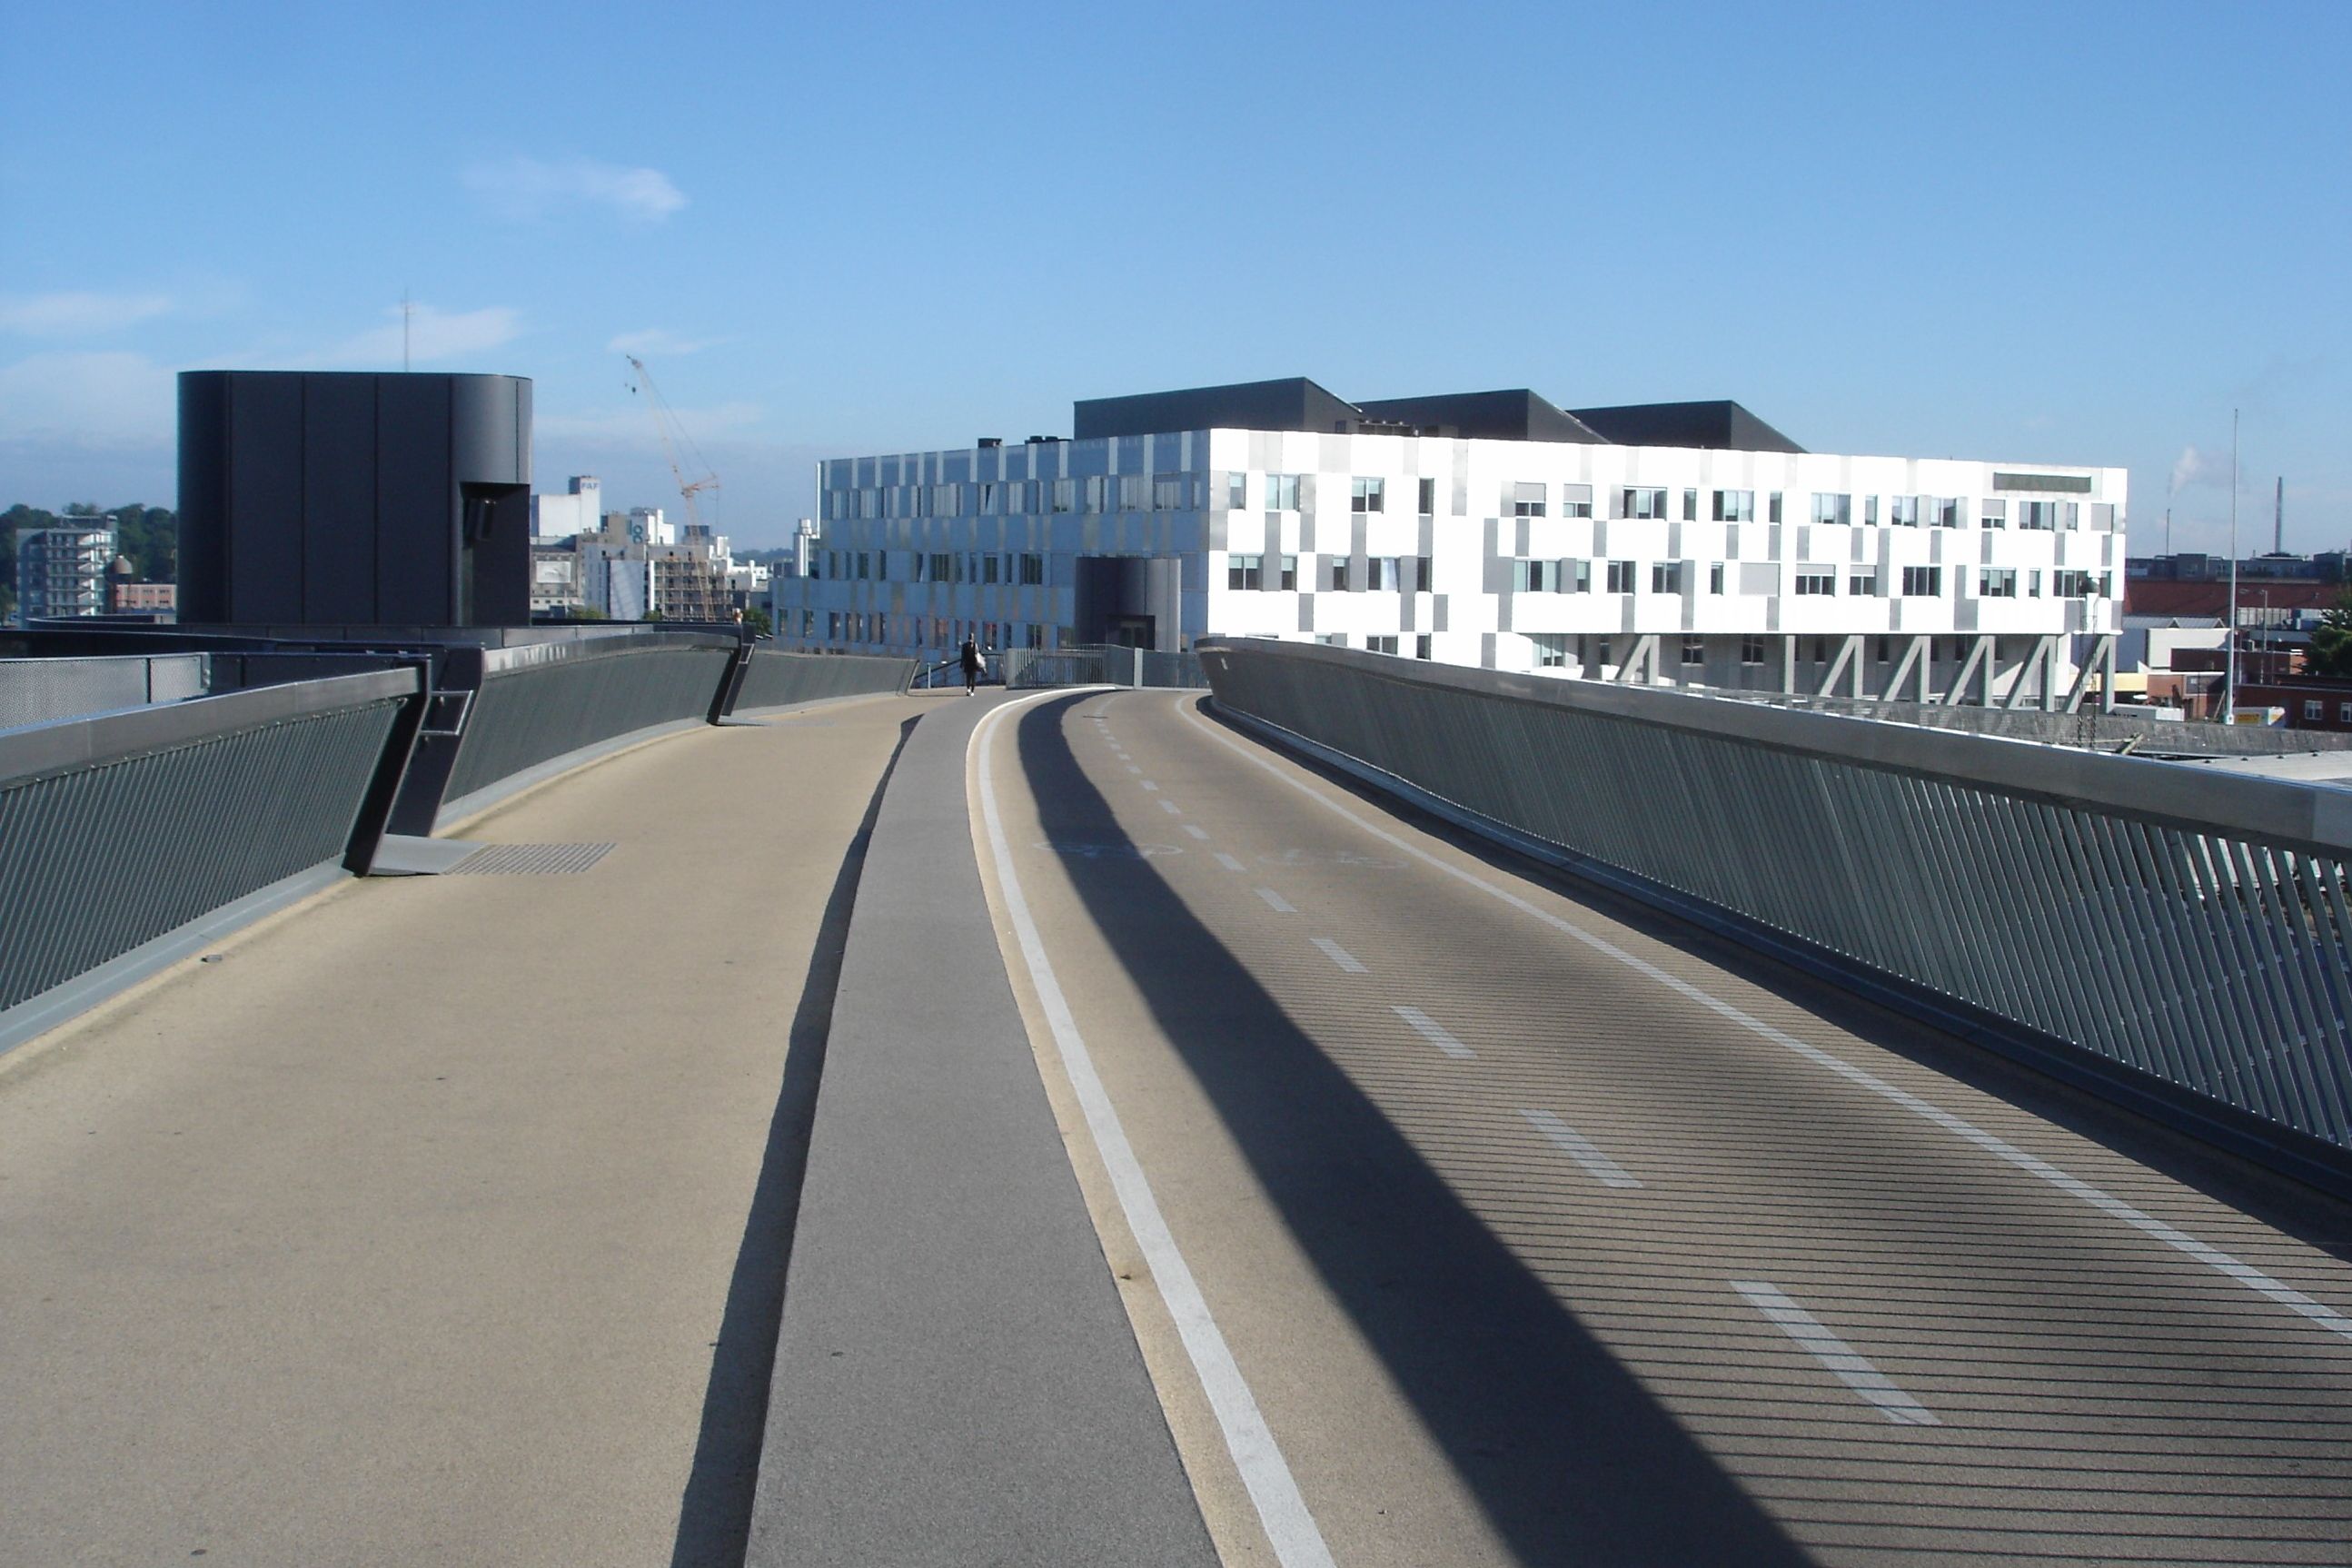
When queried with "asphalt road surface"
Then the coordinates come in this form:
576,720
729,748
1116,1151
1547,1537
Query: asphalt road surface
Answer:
1467,1217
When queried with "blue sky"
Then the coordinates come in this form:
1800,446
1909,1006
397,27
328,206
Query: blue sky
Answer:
2078,231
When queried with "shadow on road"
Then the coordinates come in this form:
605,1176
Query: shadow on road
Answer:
1571,1459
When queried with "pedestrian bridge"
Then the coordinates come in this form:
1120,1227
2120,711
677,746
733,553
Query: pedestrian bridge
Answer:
660,1103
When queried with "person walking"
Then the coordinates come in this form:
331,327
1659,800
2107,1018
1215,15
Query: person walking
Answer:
970,661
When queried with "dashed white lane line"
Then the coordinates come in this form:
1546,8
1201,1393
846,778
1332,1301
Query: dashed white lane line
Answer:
1336,954
2171,1235
1276,903
1851,1367
1196,830
1291,1530
1436,1033
1580,1149
1153,787
1229,863
1170,807
1133,769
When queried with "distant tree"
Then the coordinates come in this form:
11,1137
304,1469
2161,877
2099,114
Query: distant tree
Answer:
2331,640
585,613
757,620
653,615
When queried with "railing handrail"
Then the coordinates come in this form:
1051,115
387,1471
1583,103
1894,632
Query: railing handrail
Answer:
2287,814
63,745
620,640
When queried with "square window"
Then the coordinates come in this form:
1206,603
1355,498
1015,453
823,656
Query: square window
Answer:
1735,506
1694,651
1527,501
1576,500
1367,495
1751,650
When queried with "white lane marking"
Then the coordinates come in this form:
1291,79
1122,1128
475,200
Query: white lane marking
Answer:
1337,954
2213,1258
1170,807
1229,863
1289,1527
1851,1367
1276,903
1133,769
1196,830
1151,786
1580,1149
1436,1033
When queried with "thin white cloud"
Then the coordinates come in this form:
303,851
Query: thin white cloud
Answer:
525,188
77,313
2196,468
430,334
663,344
87,400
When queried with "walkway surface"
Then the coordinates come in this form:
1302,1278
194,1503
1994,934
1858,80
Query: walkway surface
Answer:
1138,1148
406,1230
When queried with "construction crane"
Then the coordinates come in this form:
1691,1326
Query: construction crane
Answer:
673,436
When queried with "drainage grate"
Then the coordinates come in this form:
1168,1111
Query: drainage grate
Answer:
530,860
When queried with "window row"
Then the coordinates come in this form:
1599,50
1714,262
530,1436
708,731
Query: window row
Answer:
1642,503
1022,568
1337,574
887,630
1763,577
1096,493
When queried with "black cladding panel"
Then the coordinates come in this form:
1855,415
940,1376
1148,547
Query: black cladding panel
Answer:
339,499
264,498
415,540
204,498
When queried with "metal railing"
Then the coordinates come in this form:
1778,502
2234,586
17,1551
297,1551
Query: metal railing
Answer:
545,703
1103,665
41,691
2178,938
118,830
775,679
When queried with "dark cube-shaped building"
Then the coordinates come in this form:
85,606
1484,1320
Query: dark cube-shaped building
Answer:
339,498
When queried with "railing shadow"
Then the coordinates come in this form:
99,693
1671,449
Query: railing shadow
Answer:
1571,1459
714,1519
2309,1215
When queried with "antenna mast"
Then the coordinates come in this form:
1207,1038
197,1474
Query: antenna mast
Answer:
2229,637
407,313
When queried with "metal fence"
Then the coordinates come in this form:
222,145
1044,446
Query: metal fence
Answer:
2183,936
42,690
1106,665
775,679
542,701
119,829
